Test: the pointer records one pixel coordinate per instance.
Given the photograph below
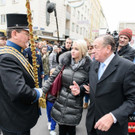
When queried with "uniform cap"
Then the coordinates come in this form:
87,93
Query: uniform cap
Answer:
18,21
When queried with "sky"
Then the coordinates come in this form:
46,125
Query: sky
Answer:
117,11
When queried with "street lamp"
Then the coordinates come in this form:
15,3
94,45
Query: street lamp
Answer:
50,8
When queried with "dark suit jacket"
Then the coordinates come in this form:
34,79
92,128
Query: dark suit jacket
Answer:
114,92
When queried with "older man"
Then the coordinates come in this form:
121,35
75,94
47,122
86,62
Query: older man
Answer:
112,90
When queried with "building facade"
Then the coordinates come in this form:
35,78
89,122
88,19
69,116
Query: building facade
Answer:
74,22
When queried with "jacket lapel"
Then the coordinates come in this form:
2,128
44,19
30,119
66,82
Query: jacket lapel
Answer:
94,78
110,69
96,70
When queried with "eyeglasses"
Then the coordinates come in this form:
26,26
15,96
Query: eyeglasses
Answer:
25,34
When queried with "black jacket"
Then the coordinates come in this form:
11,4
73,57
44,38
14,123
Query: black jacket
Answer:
17,110
67,109
63,50
114,92
127,52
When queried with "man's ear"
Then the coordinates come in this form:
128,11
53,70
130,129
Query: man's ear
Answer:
14,34
109,47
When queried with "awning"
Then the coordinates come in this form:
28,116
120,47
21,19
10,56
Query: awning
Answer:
51,38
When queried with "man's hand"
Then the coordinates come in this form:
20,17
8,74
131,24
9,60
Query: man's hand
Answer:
75,89
40,91
87,88
104,123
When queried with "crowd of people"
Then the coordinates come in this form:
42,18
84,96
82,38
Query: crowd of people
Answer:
96,75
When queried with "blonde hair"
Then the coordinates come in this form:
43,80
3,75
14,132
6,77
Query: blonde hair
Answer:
82,46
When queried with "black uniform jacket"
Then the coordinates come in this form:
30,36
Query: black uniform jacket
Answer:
114,92
18,111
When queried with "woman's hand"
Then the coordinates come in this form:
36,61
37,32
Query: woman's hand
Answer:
75,89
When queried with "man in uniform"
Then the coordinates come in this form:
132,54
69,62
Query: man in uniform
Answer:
18,95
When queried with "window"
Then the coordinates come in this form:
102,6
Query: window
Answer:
77,28
84,31
73,27
32,14
85,9
74,11
2,2
15,1
81,31
88,12
86,34
78,17
81,17
2,19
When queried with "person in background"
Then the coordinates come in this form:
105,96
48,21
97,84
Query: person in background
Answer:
50,46
90,52
53,57
124,49
39,45
65,48
86,97
28,55
67,109
45,61
50,99
2,38
2,43
112,90
19,110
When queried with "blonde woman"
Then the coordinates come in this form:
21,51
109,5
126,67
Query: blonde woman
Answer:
67,109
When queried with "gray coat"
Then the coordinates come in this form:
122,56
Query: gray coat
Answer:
52,60
67,109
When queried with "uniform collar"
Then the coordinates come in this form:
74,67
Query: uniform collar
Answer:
9,43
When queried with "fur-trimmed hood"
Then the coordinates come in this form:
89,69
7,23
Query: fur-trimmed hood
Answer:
65,59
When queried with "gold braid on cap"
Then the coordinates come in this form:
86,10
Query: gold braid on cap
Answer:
33,50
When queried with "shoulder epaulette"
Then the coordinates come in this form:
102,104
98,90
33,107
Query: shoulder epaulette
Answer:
19,56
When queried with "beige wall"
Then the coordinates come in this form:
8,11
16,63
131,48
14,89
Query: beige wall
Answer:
91,12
